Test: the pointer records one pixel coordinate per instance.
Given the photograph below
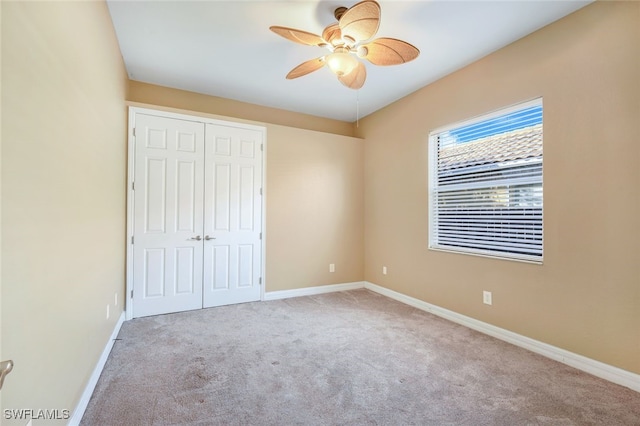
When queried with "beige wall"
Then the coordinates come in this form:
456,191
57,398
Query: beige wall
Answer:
174,98
586,296
1,353
314,181
315,206
315,191
63,197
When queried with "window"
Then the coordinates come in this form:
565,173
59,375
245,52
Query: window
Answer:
485,183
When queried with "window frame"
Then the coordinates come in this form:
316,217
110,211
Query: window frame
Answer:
432,184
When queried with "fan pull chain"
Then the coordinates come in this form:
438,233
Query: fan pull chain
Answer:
357,108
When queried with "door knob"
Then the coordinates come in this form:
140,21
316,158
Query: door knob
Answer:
5,368
206,237
196,238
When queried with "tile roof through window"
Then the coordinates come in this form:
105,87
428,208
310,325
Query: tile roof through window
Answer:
504,147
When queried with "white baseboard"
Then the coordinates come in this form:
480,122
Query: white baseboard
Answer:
588,365
75,419
310,291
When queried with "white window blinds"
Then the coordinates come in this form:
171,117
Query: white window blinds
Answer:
486,185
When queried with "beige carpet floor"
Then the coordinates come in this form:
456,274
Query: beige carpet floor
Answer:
349,358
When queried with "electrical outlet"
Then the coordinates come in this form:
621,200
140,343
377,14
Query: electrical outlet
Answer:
486,297
332,267
384,270
108,313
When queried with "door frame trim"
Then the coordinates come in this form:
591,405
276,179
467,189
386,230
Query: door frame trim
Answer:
133,110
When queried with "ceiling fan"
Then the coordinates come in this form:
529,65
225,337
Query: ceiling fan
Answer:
344,39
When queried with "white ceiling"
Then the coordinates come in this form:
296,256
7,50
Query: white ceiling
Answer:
225,48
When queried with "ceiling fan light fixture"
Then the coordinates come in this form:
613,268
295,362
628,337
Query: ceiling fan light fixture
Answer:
341,62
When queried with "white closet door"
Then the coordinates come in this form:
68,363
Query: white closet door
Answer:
168,215
233,215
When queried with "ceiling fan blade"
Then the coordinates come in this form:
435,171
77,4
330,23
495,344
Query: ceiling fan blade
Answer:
355,79
389,51
306,68
299,36
331,33
361,21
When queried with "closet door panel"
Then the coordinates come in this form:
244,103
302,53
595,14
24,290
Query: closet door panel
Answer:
168,215
232,215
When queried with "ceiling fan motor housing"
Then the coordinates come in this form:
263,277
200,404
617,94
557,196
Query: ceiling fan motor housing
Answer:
339,12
